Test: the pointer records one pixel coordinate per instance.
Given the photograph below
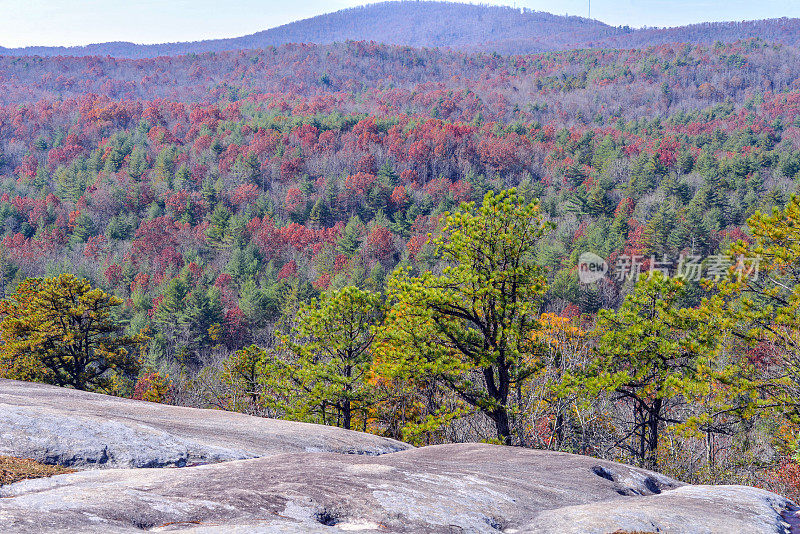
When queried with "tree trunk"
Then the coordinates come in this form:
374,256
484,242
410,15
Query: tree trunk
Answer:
641,424
502,424
347,411
558,433
498,389
653,418
346,415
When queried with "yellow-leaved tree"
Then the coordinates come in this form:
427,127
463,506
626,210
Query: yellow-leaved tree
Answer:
62,331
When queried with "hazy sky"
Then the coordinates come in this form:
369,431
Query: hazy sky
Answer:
70,22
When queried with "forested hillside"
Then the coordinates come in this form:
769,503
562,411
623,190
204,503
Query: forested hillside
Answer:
323,155
238,211
468,27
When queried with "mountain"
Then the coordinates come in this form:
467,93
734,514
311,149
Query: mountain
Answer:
443,24
418,24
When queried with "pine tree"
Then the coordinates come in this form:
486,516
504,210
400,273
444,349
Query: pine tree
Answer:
352,236
62,331
650,353
470,328
218,228
331,348
320,213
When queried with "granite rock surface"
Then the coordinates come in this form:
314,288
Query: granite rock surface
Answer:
251,475
80,429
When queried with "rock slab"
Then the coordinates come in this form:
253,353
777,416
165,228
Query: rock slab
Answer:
266,476
79,429
471,488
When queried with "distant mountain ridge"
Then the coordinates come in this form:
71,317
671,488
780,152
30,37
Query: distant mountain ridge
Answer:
444,24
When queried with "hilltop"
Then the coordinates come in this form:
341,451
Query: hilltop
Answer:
444,24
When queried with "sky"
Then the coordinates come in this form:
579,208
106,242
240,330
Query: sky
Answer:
77,22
